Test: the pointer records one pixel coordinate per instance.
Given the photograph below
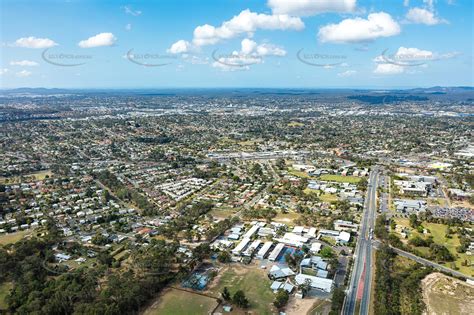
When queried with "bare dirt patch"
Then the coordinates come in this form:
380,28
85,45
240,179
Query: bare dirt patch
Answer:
445,295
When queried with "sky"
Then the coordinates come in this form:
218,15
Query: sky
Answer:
236,43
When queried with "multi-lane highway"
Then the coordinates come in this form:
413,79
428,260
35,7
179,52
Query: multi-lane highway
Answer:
361,278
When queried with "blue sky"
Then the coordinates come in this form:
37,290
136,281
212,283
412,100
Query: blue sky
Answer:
236,43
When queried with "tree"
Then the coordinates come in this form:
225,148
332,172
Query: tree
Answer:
240,300
337,301
105,259
224,257
305,287
326,252
281,298
226,294
414,221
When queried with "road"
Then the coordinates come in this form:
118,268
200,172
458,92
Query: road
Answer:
423,261
362,272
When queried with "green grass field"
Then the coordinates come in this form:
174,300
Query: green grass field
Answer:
13,237
438,232
340,178
175,302
4,291
254,283
298,173
325,197
17,179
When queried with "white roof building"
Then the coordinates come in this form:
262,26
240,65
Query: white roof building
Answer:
276,251
263,251
344,237
238,249
293,239
315,282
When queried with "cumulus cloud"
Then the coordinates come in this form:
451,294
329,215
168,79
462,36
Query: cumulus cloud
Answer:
24,63
180,47
246,22
23,74
311,7
99,40
3,71
250,53
347,73
34,42
388,68
423,16
357,30
405,56
403,59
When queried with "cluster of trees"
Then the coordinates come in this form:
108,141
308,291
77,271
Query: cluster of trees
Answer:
127,193
259,213
187,218
337,301
39,288
281,298
238,298
397,291
437,252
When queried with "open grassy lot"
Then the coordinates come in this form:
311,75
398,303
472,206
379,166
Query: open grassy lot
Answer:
250,279
298,173
223,212
321,307
174,302
286,217
446,295
13,237
295,124
33,176
340,178
438,232
325,197
4,291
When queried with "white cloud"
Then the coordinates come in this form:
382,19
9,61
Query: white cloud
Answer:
388,68
406,57
347,73
250,53
356,30
129,10
128,27
180,47
423,16
406,3
99,40
23,74
34,42
246,22
405,60
311,7
3,71
24,63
